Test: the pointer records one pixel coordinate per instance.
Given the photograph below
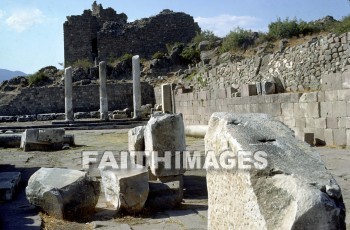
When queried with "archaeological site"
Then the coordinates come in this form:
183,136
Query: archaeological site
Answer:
156,124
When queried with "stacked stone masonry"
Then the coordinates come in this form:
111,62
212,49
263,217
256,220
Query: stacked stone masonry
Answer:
85,99
102,33
298,68
326,113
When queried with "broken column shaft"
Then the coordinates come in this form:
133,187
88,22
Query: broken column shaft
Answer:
103,92
136,85
68,94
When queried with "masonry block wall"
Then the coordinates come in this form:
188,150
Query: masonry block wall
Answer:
325,113
297,68
102,33
85,98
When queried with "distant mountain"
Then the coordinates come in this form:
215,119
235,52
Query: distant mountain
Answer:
8,74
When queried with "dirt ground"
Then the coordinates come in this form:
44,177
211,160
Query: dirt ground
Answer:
192,214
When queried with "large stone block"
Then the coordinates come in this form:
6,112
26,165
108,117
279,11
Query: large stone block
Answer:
287,109
63,193
332,82
308,97
136,139
339,137
126,189
320,123
42,139
8,185
332,123
311,109
248,90
329,137
339,109
290,189
165,193
346,80
165,133
326,109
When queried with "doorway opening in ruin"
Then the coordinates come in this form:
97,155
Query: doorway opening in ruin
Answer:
94,50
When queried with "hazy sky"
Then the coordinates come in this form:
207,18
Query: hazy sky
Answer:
31,31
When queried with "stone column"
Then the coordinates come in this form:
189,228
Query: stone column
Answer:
167,98
68,92
136,85
103,92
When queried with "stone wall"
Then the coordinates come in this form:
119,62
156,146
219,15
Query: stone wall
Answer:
104,34
325,113
298,68
85,98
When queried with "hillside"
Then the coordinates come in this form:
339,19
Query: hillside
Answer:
8,74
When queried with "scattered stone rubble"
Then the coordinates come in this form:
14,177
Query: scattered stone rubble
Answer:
293,191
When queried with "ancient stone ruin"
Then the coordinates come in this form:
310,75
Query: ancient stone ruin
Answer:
293,191
102,33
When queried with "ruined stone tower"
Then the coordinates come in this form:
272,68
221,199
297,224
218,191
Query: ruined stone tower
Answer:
103,33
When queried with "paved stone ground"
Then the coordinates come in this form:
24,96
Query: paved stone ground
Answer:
192,214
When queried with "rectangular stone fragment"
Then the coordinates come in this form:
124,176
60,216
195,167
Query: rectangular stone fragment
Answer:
42,139
164,142
348,137
248,90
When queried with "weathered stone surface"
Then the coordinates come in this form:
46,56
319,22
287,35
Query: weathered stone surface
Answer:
165,133
248,90
294,191
165,192
8,184
136,73
145,110
136,139
10,140
42,139
126,189
63,193
268,87
167,105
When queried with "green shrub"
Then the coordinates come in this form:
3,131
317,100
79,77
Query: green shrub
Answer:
238,39
158,55
83,63
190,54
125,57
36,78
284,29
341,27
205,35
